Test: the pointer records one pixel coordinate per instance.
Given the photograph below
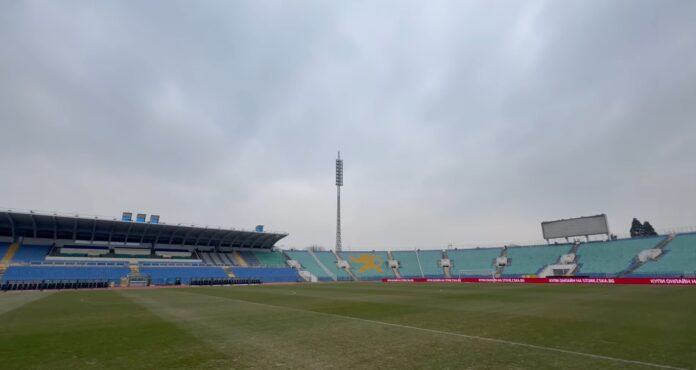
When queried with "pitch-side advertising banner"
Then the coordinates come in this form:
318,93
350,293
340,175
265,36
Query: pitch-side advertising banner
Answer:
560,280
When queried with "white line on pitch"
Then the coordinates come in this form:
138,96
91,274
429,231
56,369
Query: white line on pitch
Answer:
474,337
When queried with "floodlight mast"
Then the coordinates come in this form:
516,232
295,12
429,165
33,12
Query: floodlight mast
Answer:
339,183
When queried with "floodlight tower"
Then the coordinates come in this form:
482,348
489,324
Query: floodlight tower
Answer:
339,183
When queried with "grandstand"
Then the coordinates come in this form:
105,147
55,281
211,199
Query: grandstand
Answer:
268,274
329,261
473,262
271,258
176,275
409,267
429,263
532,259
75,272
368,265
678,259
36,247
612,257
42,248
309,263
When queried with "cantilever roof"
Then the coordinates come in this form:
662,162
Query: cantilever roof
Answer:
53,226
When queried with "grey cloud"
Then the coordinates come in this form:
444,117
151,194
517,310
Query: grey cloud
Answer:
460,122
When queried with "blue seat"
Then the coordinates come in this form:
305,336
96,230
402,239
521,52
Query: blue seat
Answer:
250,258
267,274
48,272
169,275
29,253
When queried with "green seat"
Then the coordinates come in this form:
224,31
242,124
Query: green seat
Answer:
271,259
408,263
529,260
473,262
612,257
429,262
368,265
678,258
308,263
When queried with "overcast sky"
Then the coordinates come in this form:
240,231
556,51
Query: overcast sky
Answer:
460,122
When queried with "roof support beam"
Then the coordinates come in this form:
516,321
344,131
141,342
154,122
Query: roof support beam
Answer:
212,237
142,238
130,226
265,241
222,240
234,240
158,235
246,240
33,221
94,229
12,225
183,241
198,237
111,232
173,234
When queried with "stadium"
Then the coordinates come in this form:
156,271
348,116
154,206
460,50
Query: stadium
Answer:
540,303
519,184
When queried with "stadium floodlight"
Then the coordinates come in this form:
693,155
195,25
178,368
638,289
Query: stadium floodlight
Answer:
339,183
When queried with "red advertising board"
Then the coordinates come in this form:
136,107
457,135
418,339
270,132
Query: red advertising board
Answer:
557,280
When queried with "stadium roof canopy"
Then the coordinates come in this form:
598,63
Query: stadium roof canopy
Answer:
85,229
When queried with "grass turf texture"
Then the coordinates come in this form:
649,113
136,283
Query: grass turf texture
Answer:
340,326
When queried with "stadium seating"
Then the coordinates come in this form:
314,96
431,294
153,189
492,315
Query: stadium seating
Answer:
169,275
250,258
206,258
368,265
80,263
222,258
216,258
328,259
229,256
309,263
678,259
408,263
271,259
47,272
529,260
267,274
3,249
29,253
473,262
606,259
596,259
170,264
429,262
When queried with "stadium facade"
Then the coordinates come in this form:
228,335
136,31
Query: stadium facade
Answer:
43,251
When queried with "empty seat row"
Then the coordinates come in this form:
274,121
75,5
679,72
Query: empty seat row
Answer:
613,257
677,259
183,275
46,272
267,274
531,260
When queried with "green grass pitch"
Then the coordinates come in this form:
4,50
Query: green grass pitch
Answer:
352,326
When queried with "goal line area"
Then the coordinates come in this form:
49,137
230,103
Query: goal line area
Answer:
476,273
